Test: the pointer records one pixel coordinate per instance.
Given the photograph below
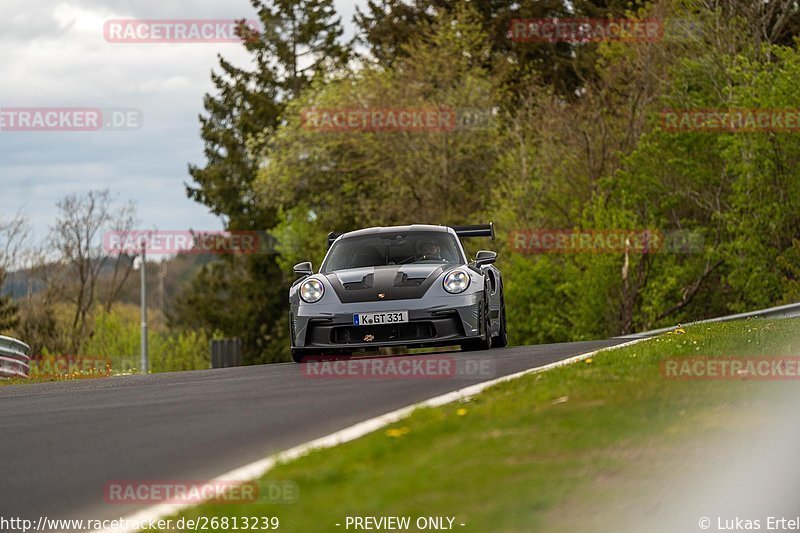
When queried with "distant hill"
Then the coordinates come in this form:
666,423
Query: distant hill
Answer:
164,278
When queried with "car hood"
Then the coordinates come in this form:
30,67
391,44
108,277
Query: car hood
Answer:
384,283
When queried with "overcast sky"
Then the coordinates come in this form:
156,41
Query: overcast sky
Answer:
54,54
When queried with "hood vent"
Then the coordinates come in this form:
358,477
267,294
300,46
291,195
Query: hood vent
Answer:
402,280
389,281
365,283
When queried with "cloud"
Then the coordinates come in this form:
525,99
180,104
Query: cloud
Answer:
55,55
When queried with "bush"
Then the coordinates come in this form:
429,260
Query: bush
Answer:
117,335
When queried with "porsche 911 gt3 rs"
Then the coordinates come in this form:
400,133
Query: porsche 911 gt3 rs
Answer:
398,286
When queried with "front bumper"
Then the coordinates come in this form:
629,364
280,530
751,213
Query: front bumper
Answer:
432,322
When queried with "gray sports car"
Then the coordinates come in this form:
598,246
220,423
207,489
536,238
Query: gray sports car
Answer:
398,286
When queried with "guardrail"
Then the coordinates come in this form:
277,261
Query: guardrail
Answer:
782,311
14,359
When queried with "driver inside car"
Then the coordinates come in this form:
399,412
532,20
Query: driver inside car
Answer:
430,251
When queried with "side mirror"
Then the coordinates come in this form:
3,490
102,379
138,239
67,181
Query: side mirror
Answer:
485,257
303,269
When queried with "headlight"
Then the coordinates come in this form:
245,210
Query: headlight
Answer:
312,290
456,281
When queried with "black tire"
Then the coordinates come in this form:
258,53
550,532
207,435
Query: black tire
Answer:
299,355
470,346
501,340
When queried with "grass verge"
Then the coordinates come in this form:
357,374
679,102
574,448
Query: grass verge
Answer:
526,454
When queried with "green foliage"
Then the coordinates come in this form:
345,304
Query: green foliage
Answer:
388,26
534,293
45,326
358,178
117,336
301,237
244,296
573,141
9,311
185,350
249,102
570,449
9,318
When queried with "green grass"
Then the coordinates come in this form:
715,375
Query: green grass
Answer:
531,454
47,378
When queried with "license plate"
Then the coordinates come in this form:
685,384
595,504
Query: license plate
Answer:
371,319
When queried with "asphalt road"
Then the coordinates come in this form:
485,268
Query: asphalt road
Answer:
61,443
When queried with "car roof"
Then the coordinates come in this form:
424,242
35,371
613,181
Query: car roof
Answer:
394,229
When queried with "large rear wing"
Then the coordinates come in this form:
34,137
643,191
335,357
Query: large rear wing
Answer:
332,236
475,230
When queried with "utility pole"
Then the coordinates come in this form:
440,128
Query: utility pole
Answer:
143,266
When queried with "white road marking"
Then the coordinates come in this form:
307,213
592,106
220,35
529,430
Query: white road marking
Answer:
258,468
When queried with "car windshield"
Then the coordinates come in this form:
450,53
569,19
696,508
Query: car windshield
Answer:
400,248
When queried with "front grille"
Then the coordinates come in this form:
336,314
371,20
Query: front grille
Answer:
410,331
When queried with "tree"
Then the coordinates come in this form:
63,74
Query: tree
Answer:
356,178
77,238
737,189
14,233
299,42
121,222
765,23
559,172
387,26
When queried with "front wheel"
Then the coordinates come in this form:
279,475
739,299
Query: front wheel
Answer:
304,354
299,355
